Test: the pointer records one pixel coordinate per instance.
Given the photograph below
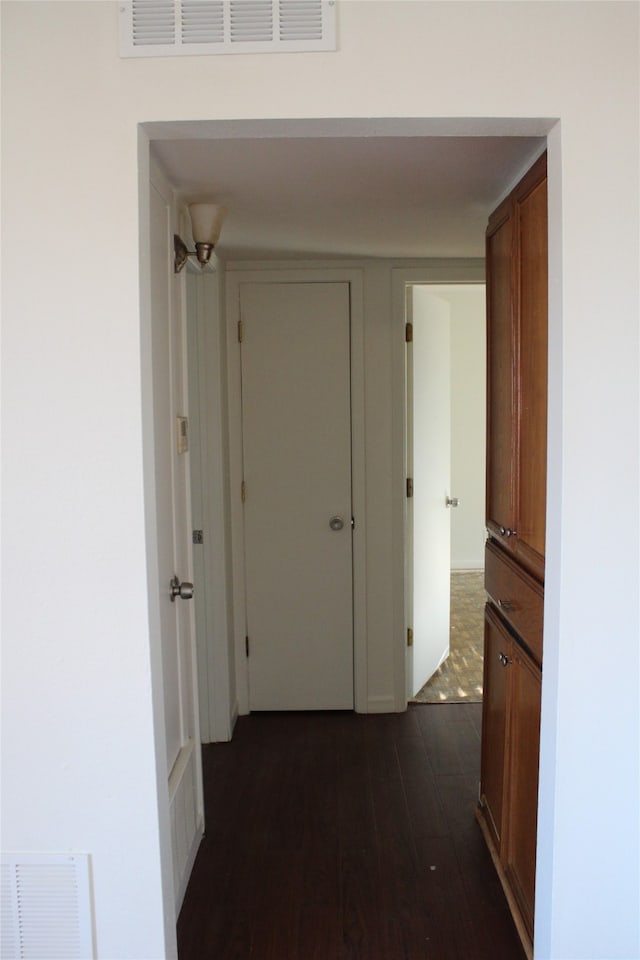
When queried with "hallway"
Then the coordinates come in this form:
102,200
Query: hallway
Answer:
335,836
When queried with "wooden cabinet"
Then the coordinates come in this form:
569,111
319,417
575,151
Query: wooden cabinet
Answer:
510,745
515,552
519,855
517,370
518,596
495,721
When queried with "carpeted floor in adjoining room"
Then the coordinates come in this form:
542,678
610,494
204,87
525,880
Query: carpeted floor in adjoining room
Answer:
459,679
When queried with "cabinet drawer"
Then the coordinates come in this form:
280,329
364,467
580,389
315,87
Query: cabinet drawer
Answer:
517,595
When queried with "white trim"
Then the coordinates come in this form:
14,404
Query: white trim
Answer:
382,705
300,274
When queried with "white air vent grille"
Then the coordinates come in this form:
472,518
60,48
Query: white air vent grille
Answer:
46,907
251,21
170,28
153,22
202,21
301,21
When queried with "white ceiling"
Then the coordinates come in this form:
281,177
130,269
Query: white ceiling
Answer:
348,196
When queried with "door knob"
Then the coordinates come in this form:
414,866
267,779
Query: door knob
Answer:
183,590
452,501
336,523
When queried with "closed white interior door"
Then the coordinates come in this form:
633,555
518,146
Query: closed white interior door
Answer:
431,414
173,529
296,413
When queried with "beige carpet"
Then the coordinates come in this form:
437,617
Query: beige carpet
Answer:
459,679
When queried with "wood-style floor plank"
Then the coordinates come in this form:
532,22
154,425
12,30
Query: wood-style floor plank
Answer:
335,836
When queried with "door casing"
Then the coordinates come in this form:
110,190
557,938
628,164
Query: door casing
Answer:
428,528
471,271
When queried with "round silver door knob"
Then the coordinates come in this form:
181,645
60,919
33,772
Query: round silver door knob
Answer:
336,523
183,590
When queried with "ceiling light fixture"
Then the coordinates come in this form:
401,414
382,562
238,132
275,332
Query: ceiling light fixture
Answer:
206,224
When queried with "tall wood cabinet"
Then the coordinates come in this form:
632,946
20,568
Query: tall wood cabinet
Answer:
514,561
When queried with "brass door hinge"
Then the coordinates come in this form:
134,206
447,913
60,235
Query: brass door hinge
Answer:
409,637
408,333
409,487
246,646
243,491
240,331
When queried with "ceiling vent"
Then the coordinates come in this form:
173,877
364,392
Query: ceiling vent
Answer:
179,28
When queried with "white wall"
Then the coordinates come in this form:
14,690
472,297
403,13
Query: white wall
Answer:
78,755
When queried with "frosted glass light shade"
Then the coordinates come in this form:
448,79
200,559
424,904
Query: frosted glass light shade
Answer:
206,221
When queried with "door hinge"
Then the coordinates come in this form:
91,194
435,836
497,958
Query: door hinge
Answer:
408,333
243,491
182,434
240,331
198,536
409,487
246,646
409,637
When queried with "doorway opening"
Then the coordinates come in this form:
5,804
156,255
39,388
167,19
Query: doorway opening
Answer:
445,451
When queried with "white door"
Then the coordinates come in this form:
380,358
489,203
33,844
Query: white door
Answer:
429,356
297,469
173,532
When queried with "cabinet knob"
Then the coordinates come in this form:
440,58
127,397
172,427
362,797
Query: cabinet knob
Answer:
504,659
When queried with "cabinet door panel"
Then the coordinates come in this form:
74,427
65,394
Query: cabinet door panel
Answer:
531,219
518,595
500,373
523,785
495,723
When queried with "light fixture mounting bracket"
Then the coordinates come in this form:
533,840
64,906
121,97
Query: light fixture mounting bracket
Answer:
180,253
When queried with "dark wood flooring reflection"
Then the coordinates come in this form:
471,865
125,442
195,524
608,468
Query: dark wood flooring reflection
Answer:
332,836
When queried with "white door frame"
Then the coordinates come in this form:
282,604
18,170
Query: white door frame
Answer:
267,274
462,272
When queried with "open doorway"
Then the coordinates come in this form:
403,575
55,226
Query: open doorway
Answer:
445,377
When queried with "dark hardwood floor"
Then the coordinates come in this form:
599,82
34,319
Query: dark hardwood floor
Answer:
332,836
